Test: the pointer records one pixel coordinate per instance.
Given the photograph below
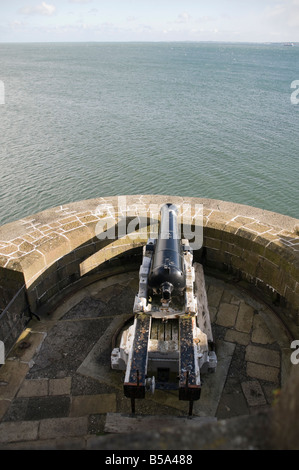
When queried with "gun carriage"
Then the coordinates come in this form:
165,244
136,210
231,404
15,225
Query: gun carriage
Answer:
170,342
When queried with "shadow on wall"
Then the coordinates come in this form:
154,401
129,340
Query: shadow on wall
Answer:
60,265
14,306
92,260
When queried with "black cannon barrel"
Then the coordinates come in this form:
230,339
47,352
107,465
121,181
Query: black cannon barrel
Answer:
167,271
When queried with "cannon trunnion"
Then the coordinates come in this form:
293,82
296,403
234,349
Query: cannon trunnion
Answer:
170,342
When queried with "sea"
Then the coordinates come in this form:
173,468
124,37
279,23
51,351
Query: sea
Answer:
88,120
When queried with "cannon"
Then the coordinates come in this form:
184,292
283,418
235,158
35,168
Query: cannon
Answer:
170,342
167,270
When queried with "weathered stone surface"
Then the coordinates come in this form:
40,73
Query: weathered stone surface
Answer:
12,374
239,227
262,372
262,355
34,388
93,404
260,332
18,431
124,423
54,249
253,393
63,427
4,405
227,315
60,386
214,296
244,242
244,318
237,337
285,429
233,434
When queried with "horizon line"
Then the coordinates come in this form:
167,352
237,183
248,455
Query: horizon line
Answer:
151,41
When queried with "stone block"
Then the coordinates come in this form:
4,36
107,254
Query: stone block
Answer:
12,273
34,388
238,337
48,295
260,332
57,428
214,296
227,315
212,232
4,405
8,250
265,239
245,239
63,284
93,404
62,273
60,386
212,243
32,264
271,274
229,236
67,220
219,220
257,227
32,299
46,282
55,248
84,251
278,253
213,314
79,237
26,247
215,257
47,407
18,431
12,374
72,225
253,393
231,248
244,318
85,218
73,268
293,299
243,220
262,355
247,262
15,302
262,372
65,260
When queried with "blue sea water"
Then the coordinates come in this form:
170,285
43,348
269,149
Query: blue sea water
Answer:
85,120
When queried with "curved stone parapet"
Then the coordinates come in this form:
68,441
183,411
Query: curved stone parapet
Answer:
45,256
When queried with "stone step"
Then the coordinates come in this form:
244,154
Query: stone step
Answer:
126,423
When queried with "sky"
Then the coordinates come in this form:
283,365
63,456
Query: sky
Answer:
149,20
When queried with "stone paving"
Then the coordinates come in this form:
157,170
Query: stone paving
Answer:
47,400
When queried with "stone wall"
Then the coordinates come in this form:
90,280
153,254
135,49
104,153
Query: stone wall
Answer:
46,256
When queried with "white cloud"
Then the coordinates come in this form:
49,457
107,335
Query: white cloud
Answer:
284,14
42,9
183,17
80,1
131,18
